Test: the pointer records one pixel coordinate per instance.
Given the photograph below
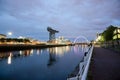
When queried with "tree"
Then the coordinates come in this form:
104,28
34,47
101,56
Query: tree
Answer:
109,33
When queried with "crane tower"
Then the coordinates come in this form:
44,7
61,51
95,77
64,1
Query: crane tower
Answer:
51,33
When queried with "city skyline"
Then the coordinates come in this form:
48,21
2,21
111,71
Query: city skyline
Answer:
72,18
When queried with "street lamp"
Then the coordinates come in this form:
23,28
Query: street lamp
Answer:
9,34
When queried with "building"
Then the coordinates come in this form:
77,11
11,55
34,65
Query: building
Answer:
2,36
60,40
100,37
116,34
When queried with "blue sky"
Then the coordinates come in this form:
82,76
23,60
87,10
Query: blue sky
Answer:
73,18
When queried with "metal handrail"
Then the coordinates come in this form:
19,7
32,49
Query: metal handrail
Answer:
83,66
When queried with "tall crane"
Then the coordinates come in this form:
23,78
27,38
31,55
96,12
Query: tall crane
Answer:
51,33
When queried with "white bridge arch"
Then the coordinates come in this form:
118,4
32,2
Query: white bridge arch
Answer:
82,38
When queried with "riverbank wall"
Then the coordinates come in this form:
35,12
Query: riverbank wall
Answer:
11,47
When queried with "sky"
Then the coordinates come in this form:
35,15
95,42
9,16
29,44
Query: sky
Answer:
72,18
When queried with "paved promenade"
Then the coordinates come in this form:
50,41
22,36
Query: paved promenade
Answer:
105,65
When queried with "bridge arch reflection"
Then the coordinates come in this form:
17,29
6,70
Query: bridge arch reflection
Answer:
81,43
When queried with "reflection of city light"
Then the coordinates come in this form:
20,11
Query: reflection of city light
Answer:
75,49
59,50
41,51
9,58
31,52
82,48
67,48
28,52
38,51
20,52
48,49
56,50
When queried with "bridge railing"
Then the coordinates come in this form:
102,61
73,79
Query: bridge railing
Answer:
83,66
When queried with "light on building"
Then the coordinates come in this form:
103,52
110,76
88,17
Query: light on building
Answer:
99,37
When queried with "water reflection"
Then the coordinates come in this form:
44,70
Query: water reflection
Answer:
38,51
59,51
52,56
56,51
26,52
80,48
38,63
14,54
10,58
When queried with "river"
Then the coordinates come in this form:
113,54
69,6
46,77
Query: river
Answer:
40,64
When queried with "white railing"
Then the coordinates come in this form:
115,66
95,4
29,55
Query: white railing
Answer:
83,66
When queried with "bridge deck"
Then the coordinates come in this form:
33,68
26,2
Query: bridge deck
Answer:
105,65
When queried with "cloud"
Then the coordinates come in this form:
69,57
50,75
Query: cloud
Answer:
70,17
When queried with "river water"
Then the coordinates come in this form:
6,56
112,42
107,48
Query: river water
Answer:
40,64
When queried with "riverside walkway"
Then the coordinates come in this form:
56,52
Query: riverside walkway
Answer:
105,65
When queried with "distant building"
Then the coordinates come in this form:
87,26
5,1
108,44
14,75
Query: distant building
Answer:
60,40
2,36
116,34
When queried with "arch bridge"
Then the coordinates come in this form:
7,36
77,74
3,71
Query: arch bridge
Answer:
81,40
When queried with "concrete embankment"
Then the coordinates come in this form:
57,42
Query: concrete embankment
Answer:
9,47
